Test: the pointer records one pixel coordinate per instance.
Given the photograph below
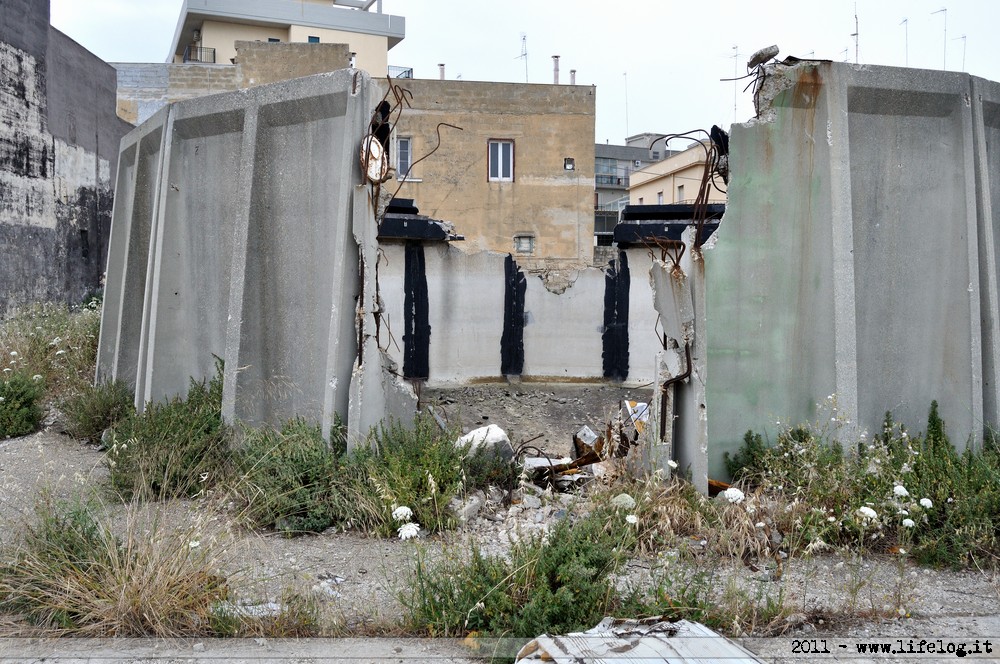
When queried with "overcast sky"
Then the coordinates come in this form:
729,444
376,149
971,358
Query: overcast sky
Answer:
657,64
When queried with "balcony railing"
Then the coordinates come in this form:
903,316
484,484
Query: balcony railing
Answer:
194,53
400,72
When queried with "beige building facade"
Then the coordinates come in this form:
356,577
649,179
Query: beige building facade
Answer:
675,179
207,30
517,178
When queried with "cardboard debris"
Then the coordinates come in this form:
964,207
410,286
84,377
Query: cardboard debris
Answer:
648,640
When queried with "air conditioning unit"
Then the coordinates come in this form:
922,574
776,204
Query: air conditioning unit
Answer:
637,163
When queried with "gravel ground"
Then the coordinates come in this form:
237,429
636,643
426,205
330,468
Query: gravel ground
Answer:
357,578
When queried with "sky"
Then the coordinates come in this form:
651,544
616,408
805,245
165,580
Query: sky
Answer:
657,64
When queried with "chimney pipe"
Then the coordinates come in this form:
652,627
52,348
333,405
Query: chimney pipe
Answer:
572,77
441,70
555,69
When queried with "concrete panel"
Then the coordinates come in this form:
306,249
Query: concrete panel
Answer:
298,266
851,259
562,331
132,273
465,293
190,292
915,257
107,349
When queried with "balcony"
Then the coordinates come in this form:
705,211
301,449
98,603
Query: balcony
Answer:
400,72
611,180
200,54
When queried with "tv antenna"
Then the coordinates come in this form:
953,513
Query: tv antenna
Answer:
524,54
855,33
945,10
963,49
906,40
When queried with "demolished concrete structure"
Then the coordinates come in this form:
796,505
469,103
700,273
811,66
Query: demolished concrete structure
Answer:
858,255
282,270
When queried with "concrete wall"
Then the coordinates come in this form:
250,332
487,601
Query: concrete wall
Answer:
232,238
547,124
563,327
143,89
58,142
857,256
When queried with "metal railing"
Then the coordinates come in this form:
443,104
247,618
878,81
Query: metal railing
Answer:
400,72
608,180
194,53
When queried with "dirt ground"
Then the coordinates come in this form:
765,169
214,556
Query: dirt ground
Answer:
363,575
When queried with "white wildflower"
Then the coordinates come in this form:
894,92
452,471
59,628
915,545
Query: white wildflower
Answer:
408,530
902,552
624,501
36,377
908,523
60,352
13,353
759,524
402,513
900,491
672,463
2,399
951,500
194,544
926,503
868,513
632,518
831,519
734,495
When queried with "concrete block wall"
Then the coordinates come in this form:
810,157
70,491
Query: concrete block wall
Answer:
232,238
857,256
563,328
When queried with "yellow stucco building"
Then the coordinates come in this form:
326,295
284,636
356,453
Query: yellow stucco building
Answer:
675,179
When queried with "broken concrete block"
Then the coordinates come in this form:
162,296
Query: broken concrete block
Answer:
488,437
468,509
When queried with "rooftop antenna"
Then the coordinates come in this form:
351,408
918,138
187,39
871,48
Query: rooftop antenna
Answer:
845,53
736,73
963,49
524,54
945,10
625,74
906,40
855,33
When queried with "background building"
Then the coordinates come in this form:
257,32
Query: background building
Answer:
225,45
518,178
675,179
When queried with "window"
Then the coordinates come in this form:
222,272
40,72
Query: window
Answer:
273,40
404,156
640,200
659,198
680,193
313,40
524,244
501,155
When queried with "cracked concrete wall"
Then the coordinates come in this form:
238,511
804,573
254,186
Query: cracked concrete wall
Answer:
562,333
232,238
58,142
857,255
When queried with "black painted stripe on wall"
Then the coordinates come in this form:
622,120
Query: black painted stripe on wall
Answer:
616,289
512,340
416,315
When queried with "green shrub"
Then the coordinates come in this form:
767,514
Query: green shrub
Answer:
20,411
894,475
55,342
92,410
286,478
173,449
555,585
